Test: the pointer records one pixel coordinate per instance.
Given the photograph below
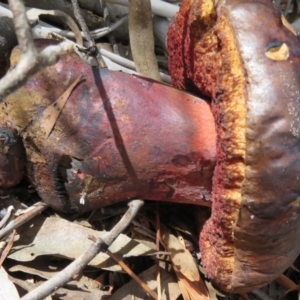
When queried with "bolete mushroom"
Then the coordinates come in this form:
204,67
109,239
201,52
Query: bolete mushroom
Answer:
245,57
121,136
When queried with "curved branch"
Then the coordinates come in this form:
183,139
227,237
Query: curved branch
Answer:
81,262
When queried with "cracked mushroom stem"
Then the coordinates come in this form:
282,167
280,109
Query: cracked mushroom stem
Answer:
142,139
245,57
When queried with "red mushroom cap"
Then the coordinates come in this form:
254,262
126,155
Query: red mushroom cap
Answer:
246,58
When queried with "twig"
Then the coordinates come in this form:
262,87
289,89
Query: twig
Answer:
144,286
261,295
4,220
83,26
106,15
128,63
115,62
23,218
160,31
4,12
158,238
96,34
7,248
76,267
31,60
92,49
138,227
106,18
286,282
158,7
34,13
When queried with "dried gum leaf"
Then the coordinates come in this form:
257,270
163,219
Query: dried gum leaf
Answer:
141,38
288,25
52,112
170,289
8,290
54,236
287,283
191,284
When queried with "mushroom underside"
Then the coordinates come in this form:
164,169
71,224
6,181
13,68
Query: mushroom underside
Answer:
243,56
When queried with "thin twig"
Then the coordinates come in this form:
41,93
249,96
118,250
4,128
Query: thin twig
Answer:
96,34
22,27
261,295
4,12
158,238
31,60
115,62
111,38
92,49
158,7
8,214
83,26
34,13
23,218
75,268
128,63
286,282
160,31
8,247
106,15
142,284
138,227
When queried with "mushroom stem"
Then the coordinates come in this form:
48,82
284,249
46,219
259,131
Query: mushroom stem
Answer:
118,137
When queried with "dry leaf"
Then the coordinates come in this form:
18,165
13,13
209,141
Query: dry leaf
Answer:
8,247
52,112
141,38
132,290
55,236
190,282
34,13
8,291
287,283
62,293
46,268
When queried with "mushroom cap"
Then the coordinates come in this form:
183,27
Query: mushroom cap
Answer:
246,58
